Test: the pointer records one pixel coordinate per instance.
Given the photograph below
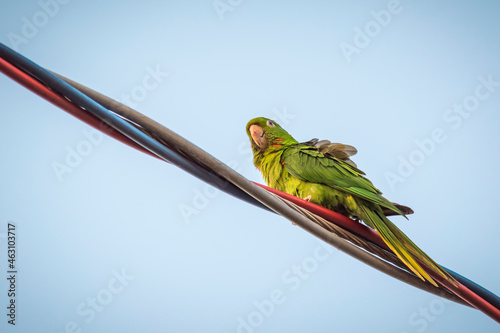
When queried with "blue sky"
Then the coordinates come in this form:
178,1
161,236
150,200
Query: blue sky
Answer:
108,245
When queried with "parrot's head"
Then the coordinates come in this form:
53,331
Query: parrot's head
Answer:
266,135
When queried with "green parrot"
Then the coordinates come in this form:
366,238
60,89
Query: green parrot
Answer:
322,172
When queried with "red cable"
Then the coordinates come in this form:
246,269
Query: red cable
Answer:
38,88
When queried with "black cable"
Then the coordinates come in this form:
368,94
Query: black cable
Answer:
200,172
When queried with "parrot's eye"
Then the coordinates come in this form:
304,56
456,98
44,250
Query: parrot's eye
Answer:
270,123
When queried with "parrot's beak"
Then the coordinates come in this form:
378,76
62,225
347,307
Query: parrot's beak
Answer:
259,136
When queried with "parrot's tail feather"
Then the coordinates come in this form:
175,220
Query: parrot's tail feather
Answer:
402,246
392,241
419,254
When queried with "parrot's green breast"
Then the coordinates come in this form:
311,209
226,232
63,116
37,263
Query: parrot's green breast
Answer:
277,176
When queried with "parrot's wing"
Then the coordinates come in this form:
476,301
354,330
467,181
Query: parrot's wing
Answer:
308,164
405,209
334,149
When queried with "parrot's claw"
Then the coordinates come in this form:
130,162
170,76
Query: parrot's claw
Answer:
308,199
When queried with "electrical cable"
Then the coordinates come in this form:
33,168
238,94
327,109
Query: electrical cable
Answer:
195,161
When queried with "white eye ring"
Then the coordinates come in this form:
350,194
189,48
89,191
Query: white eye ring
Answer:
270,123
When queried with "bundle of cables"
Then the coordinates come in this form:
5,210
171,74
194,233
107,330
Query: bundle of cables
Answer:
150,137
